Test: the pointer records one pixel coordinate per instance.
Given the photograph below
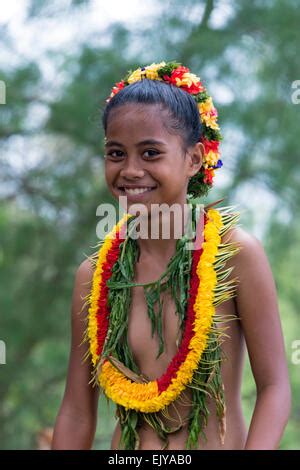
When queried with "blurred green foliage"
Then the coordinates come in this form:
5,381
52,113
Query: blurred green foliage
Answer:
52,180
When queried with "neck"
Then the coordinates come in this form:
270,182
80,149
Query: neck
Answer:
161,231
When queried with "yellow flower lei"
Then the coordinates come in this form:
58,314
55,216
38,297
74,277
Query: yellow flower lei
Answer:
145,397
96,290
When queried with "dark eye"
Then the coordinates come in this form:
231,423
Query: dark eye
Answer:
152,153
112,154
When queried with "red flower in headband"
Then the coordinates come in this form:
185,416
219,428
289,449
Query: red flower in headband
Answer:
210,145
182,78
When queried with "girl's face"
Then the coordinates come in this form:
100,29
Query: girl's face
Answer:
143,161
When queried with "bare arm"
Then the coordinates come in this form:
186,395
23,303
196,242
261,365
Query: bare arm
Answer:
77,418
258,311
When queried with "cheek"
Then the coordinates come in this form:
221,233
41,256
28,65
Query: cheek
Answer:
109,171
174,172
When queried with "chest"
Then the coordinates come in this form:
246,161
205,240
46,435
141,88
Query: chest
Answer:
143,343
145,346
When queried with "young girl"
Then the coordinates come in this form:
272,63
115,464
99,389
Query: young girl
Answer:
158,338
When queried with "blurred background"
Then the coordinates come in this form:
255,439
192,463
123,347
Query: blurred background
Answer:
58,62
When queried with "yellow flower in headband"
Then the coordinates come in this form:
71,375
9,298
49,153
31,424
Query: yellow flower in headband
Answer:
206,107
151,71
187,79
211,121
211,158
209,113
136,76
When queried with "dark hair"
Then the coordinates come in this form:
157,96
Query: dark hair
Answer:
182,109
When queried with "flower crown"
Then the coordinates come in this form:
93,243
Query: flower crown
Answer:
176,74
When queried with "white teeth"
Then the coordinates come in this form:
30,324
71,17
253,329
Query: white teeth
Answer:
136,190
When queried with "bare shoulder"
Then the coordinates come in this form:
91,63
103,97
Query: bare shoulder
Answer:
251,258
83,280
246,241
256,289
82,286
85,271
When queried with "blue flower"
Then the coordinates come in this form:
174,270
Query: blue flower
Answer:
218,165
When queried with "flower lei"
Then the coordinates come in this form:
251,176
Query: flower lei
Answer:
197,361
155,395
176,74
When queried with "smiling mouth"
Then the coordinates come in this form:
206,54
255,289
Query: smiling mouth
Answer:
135,191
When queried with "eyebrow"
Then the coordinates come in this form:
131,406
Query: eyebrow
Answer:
143,142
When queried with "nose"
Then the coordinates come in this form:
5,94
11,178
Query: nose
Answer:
131,169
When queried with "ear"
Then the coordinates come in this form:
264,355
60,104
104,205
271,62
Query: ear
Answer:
195,158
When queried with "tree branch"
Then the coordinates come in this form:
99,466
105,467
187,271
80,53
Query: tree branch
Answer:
206,15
